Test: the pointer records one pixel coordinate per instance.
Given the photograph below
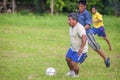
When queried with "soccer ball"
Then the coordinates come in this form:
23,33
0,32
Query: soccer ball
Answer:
50,71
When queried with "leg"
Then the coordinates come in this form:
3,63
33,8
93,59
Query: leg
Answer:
106,59
108,42
75,67
69,61
101,33
101,53
95,46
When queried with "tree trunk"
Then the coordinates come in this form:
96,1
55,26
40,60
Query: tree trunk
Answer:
116,13
52,7
5,5
116,9
13,6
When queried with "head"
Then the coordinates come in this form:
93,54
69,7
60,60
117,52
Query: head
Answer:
93,9
82,5
72,19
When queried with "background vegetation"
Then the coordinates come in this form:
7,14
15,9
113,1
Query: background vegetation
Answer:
108,7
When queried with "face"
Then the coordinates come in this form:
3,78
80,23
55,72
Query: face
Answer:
81,7
71,22
93,10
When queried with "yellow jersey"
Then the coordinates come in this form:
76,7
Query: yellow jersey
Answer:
95,17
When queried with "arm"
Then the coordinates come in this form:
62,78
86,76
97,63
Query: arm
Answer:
97,21
87,26
98,17
88,21
84,38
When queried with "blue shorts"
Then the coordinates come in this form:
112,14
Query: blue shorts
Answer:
73,55
99,31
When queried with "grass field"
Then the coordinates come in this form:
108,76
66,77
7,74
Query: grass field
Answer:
30,44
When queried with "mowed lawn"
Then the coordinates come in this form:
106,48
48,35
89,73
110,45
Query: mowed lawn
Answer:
30,44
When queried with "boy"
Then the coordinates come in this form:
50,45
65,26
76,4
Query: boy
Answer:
85,19
99,26
78,45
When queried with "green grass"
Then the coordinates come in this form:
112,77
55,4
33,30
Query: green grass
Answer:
30,44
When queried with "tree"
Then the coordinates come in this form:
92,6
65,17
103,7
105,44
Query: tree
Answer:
71,6
52,7
56,6
13,6
66,6
115,6
97,3
40,5
5,5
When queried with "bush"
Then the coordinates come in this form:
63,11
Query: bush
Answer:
25,12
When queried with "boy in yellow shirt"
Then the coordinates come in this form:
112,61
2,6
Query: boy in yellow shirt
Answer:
99,26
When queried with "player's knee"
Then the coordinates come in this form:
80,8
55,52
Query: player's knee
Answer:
75,65
97,47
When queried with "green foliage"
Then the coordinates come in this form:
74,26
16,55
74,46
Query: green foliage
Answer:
115,6
40,5
104,6
97,3
25,12
58,5
71,6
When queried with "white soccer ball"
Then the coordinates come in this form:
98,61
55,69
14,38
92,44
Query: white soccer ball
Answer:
50,71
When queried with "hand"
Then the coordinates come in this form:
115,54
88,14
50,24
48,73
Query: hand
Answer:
93,21
80,51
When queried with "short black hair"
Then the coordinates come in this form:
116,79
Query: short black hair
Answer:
83,2
74,16
94,7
